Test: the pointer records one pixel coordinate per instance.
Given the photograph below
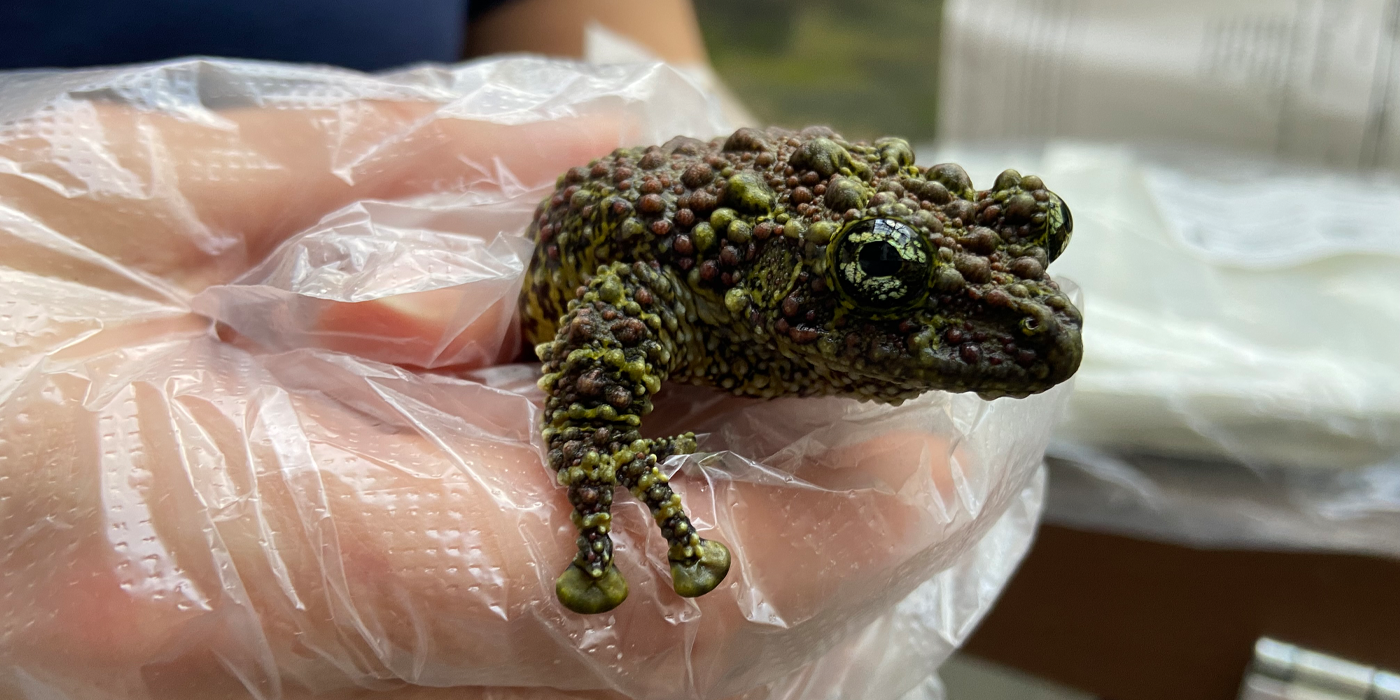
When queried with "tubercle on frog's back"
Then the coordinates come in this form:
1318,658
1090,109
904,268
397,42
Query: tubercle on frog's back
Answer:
636,204
554,275
584,240
710,339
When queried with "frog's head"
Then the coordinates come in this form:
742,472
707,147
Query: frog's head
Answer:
909,279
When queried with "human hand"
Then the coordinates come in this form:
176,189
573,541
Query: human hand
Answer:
191,510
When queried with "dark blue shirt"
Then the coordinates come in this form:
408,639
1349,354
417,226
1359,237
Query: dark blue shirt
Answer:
362,34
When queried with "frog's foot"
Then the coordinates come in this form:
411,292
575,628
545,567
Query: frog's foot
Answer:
592,584
699,575
697,565
586,594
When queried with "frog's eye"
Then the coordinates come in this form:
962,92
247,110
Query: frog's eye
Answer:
881,263
1059,224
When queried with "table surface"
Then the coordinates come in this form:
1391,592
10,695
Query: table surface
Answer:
1127,619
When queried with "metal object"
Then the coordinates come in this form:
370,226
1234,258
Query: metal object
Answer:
1282,671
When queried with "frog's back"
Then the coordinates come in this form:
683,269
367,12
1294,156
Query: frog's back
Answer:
619,208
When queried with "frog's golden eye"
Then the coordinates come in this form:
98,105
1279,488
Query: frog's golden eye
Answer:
1059,224
881,263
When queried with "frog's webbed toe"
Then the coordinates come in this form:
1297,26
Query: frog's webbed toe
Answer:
586,594
696,576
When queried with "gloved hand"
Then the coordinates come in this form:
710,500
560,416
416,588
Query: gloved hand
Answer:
256,439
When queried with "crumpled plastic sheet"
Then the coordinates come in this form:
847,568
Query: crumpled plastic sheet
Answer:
1241,378
262,435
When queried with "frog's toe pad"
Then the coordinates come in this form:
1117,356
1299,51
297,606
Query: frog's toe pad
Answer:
701,577
582,593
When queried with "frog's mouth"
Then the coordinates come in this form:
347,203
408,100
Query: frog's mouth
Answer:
1013,351
994,354
1057,359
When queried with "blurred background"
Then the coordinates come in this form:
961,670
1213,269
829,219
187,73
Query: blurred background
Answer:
1311,80
869,67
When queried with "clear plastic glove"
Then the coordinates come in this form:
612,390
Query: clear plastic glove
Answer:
256,439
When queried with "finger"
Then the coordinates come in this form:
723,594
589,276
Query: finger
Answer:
231,509
428,288
197,201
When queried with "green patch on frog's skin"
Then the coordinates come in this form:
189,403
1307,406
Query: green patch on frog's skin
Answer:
773,263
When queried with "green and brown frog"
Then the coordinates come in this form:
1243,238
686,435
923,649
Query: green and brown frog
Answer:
772,263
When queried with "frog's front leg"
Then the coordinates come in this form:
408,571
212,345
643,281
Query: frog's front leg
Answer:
697,564
614,347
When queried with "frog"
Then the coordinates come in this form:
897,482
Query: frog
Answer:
771,263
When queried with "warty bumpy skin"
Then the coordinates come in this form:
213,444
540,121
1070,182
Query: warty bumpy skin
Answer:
772,263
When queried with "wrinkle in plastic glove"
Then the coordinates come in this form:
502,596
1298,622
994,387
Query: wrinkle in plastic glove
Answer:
257,438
